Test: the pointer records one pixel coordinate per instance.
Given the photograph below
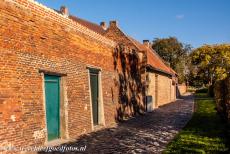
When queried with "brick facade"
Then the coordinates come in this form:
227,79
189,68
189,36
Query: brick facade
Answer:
134,86
159,83
161,88
36,40
164,90
31,43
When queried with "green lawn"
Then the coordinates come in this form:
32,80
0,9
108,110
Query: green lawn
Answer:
204,133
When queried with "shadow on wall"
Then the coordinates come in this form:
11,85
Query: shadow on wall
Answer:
131,89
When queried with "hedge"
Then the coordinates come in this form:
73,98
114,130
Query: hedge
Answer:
222,97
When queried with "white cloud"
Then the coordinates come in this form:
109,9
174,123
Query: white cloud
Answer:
180,16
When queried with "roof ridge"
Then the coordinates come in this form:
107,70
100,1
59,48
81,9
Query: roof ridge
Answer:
163,61
86,21
154,53
134,41
90,25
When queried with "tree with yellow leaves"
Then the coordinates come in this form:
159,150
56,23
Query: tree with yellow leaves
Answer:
211,62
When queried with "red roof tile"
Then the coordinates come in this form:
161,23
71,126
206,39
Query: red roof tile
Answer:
92,26
156,62
153,58
140,46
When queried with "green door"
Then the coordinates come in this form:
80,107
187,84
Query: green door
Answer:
52,95
94,95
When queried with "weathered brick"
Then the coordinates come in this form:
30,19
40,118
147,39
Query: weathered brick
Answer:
35,38
162,90
30,42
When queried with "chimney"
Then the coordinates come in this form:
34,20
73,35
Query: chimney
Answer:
64,11
103,25
146,43
113,23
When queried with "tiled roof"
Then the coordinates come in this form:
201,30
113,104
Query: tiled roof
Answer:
140,46
153,58
156,62
95,27
173,72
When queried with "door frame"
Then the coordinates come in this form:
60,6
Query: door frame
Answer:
101,118
63,106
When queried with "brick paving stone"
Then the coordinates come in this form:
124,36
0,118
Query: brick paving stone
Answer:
149,133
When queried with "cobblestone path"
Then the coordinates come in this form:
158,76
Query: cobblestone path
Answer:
149,133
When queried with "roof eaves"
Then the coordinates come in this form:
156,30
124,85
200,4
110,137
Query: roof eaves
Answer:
158,70
173,71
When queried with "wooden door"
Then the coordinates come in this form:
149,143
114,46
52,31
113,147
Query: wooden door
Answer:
94,95
52,96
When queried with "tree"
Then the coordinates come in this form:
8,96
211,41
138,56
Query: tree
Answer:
211,62
175,53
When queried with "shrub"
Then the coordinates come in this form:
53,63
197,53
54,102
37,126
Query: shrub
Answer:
211,91
222,97
227,96
219,97
202,90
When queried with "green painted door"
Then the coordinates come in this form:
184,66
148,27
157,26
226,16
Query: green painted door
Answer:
52,95
94,95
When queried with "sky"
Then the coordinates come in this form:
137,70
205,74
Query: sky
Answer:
194,22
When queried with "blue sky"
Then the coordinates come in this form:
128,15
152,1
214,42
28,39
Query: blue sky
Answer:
195,22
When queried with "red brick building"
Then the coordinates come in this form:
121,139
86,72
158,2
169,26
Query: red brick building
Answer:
158,78
62,76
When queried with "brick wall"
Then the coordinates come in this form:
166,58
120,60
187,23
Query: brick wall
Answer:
152,88
35,38
32,40
173,89
182,88
131,75
159,85
161,89
164,90
114,33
